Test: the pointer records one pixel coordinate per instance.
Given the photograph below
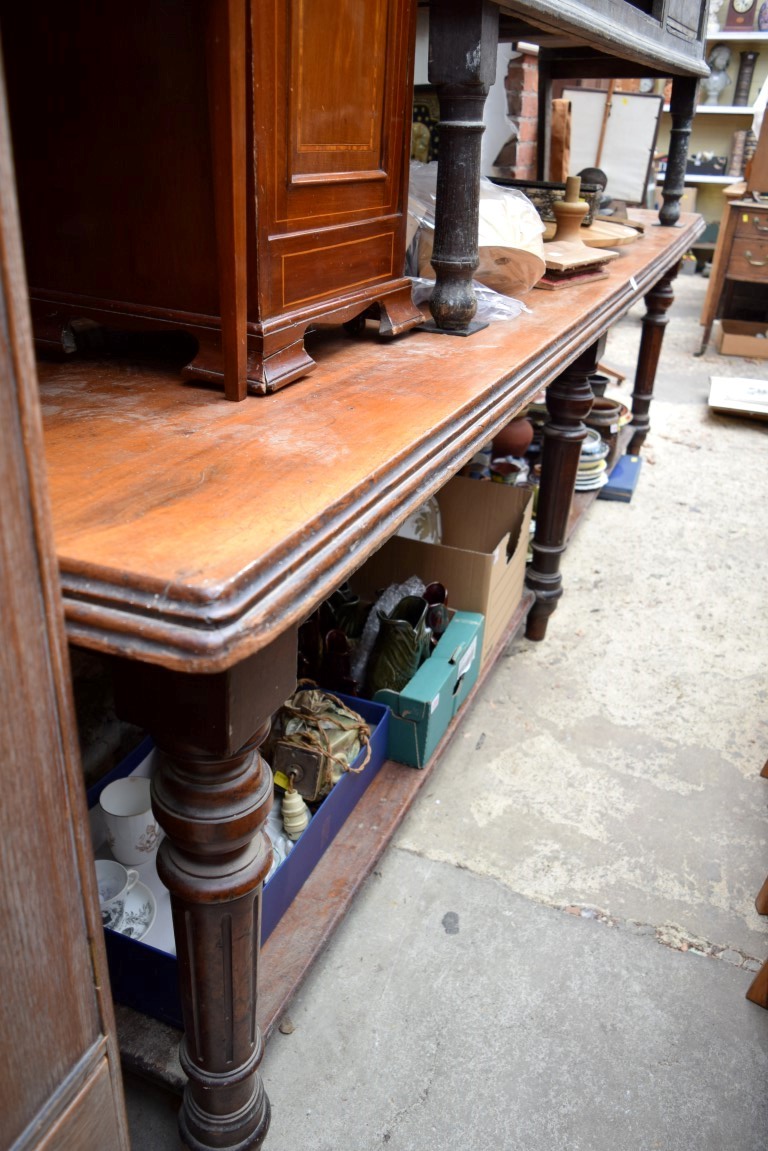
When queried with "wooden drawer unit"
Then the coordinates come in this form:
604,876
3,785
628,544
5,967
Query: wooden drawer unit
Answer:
741,256
236,169
749,260
751,223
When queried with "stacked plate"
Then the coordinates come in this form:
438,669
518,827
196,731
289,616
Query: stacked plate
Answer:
592,471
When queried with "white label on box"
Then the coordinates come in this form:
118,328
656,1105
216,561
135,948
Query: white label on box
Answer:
465,662
435,704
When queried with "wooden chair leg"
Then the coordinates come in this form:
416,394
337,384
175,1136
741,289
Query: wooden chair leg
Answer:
758,988
761,903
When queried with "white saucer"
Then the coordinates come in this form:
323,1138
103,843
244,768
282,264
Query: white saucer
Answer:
591,485
139,914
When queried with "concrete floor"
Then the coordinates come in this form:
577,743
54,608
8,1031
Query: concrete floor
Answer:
554,952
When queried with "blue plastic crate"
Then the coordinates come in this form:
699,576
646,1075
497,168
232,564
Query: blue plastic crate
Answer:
144,976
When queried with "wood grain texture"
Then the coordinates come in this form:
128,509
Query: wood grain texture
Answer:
226,41
190,531
55,1012
89,1122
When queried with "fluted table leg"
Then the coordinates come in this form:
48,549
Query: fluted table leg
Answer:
658,302
569,400
212,792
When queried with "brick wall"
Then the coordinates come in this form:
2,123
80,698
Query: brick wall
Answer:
518,156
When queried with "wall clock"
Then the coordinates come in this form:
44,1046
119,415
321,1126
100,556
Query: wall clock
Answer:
740,15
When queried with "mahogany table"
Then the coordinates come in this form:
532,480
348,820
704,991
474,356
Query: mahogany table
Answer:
194,535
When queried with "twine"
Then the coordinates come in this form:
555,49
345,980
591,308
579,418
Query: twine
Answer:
317,739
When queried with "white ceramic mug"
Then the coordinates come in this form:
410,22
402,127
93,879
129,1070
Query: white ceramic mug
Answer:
132,830
114,882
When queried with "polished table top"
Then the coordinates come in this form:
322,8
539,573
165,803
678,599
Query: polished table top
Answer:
191,531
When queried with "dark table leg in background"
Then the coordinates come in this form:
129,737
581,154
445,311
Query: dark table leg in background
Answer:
211,793
682,106
569,400
658,302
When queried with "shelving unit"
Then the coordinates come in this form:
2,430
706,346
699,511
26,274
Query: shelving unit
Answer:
714,127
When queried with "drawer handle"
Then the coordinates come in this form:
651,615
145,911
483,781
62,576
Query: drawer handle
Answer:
758,226
754,263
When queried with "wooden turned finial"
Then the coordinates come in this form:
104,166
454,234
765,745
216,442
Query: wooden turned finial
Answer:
570,212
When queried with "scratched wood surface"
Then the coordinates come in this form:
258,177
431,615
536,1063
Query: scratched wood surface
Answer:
191,531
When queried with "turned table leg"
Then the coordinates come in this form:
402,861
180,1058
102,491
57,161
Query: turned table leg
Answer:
212,792
658,302
682,106
463,37
569,400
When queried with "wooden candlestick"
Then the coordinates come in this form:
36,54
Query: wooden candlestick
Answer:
569,260
570,212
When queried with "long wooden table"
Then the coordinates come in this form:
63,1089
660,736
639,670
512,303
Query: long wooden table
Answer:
194,535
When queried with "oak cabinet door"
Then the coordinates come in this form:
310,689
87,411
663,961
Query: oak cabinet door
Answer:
60,1086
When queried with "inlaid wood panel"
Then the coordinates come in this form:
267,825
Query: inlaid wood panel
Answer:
333,159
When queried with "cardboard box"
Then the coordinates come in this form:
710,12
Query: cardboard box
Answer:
481,561
742,338
421,712
143,973
463,650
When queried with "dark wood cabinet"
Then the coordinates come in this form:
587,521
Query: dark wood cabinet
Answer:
59,1064
232,169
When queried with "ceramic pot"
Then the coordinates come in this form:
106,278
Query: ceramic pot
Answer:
604,418
514,439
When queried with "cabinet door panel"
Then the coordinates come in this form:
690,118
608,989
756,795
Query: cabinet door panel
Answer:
338,61
58,1055
89,1123
332,93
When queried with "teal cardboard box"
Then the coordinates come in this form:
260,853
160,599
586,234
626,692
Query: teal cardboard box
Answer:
466,636
421,712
